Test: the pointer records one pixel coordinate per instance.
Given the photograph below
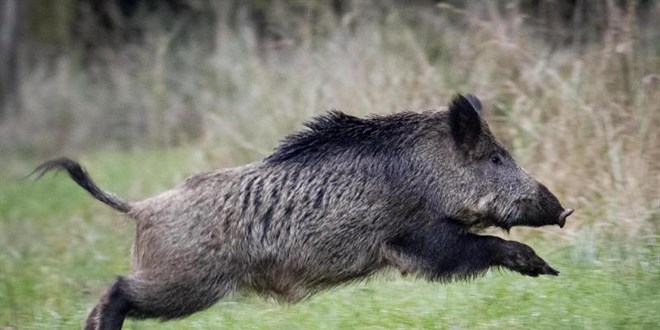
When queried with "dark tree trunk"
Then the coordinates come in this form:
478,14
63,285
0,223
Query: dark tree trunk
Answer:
11,21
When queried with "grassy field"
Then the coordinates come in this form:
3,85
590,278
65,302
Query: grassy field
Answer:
59,250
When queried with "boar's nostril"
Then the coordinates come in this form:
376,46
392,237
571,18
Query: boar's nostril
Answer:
563,216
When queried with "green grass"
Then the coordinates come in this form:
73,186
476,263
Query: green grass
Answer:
59,250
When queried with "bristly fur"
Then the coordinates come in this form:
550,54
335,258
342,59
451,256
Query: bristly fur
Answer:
336,132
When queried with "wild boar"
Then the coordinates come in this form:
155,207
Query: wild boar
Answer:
336,202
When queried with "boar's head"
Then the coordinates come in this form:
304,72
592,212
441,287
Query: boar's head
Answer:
478,181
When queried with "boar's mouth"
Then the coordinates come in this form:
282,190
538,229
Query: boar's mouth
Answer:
530,214
525,212
546,220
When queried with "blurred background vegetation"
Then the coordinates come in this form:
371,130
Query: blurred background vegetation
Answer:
146,92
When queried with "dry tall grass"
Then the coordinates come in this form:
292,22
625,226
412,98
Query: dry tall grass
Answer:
584,119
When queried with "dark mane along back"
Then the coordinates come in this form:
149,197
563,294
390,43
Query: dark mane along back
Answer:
336,133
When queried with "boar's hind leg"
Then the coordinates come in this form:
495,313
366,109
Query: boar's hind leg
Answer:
445,250
111,311
154,297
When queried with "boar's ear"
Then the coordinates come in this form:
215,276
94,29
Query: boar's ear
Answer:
474,102
464,120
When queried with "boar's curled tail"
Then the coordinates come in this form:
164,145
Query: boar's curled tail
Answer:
80,176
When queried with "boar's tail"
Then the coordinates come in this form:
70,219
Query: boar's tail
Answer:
80,176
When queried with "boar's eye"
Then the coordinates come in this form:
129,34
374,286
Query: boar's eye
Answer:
496,160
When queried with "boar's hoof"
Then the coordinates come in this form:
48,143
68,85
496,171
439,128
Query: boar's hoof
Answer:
521,258
563,216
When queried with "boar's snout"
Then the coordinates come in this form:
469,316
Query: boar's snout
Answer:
563,216
551,210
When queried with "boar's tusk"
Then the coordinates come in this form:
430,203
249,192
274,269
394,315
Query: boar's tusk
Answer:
563,216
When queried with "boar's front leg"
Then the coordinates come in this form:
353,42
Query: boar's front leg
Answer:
521,258
446,250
